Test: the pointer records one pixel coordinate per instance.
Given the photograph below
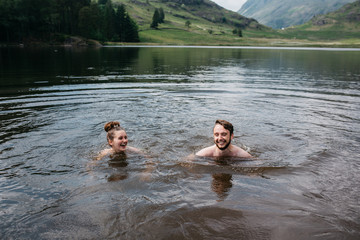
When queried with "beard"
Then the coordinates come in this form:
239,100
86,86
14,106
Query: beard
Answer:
225,147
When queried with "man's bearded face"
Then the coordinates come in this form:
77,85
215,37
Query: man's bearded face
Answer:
222,137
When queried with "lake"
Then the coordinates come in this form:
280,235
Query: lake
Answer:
296,110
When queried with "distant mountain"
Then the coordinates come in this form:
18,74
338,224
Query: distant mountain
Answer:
343,23
347,17
284,13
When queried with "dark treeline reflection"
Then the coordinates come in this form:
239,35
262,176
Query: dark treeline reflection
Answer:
28,68
78,65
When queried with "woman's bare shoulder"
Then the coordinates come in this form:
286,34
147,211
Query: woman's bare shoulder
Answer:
103,153
133,149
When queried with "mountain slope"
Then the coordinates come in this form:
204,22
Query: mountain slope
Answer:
200,11
346,18
208,23
341,24
285,13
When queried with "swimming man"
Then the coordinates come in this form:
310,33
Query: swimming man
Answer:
223,134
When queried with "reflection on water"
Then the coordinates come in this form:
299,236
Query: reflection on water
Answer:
296,110
221,184
118,162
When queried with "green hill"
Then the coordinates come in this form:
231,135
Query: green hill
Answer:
208,23
341,24
214,25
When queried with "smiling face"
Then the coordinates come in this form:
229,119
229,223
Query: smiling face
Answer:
222,137
119,141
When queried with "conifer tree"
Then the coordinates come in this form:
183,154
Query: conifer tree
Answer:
109,21
155,19
131,30
126,28
161,15
120,22
90,22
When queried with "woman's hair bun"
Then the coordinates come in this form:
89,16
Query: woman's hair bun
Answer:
110,125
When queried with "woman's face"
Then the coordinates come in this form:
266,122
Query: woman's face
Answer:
119,142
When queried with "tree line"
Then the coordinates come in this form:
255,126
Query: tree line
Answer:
43,19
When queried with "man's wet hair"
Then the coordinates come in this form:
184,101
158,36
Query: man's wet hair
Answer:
227,125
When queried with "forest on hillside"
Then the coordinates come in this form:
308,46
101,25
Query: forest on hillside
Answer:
48,20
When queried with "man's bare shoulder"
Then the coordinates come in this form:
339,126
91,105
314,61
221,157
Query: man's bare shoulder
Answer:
239,152
206,152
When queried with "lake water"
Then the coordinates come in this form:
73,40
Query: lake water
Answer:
296,110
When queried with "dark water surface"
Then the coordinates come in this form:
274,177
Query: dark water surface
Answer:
297,111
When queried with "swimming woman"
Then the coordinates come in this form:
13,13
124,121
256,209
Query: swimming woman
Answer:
117,140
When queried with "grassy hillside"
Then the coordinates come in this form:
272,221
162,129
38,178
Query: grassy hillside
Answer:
284,13
214,25
341,24
210,24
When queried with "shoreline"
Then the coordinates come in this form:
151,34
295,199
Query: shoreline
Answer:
239,47
247,43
